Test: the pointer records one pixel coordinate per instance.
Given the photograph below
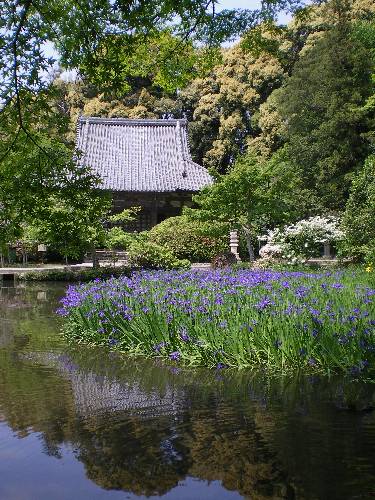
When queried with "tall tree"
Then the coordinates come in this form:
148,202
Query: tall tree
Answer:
252,197
322,110
111,42
221,106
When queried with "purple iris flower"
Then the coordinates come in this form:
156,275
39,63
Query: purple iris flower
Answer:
184,335
221,366
357,369
174,356
264,303
160,346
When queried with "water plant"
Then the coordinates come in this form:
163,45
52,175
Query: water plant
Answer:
280,321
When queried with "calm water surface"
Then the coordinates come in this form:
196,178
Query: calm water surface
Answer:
81,423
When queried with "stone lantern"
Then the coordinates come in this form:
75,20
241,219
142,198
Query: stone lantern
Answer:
42,249
233,243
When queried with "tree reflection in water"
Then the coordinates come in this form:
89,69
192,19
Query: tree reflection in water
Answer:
141,427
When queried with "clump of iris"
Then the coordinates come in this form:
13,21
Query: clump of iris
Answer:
280,321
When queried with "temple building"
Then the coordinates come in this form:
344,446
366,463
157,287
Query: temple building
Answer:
143,163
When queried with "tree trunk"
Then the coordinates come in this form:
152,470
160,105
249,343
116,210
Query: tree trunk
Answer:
95,260
249,244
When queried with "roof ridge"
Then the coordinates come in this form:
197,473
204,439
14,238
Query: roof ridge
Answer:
133,121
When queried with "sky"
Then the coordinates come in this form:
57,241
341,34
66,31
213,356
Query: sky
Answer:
239,4
249,4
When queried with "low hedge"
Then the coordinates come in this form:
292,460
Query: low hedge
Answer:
82,274
149,255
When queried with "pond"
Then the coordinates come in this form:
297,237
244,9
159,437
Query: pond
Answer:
85,423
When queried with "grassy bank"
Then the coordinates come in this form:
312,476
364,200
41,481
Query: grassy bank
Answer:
278,320
77,274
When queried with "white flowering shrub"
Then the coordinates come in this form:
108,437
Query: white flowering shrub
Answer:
302,240
271,250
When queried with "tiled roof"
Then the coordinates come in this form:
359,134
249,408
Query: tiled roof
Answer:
140,155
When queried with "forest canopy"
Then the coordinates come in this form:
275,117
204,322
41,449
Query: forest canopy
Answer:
282,114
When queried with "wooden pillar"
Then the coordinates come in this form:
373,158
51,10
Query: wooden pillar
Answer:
154,211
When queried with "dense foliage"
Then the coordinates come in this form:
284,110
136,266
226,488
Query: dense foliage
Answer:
191,239
251,197
314,131
321,106
359,217
284,118
114,46
148,255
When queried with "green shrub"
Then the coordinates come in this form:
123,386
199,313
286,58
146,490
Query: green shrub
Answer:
149,255
118,239
83,274
189,239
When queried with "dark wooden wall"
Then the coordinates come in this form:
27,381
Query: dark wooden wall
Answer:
155,206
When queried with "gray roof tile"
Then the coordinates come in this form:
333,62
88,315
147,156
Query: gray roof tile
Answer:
140,155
